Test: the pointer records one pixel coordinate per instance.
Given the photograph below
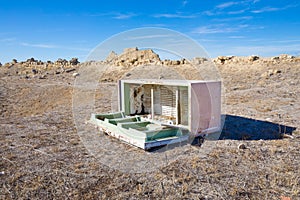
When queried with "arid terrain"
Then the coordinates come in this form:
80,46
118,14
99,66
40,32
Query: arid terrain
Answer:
256,157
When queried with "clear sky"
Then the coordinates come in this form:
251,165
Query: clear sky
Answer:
52,29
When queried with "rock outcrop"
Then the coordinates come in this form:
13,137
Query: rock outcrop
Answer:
221,60
112,56
133,57
37,68
286,57
136,57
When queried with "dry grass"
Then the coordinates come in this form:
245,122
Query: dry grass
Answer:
42,156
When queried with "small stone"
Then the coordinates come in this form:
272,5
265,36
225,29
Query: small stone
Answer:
70,70
277,71
42,76
34,71
128,74
242,146
75,74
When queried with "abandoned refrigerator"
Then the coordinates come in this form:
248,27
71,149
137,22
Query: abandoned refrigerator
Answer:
158,112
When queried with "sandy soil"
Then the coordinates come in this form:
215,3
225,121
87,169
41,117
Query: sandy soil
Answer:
43,157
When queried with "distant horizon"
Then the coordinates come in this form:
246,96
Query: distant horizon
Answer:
161,58
49,30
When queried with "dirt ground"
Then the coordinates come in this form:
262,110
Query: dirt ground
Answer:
43,157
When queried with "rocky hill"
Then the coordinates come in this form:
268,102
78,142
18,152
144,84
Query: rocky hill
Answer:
32,68
133,57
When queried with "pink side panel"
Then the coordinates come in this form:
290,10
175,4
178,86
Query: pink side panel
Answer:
205,106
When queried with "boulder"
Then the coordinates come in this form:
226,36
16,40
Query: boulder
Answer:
61,62
183,61
30,60
175,62
166,62
8,65
74,61
253,58
223,59
39,62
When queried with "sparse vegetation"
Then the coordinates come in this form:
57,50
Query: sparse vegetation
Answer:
42,157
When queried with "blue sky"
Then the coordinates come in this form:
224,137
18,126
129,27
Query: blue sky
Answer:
48,30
